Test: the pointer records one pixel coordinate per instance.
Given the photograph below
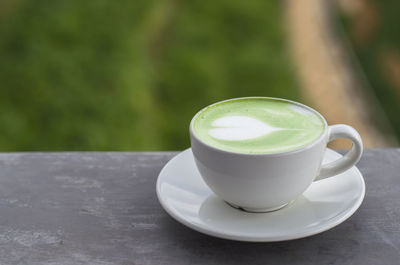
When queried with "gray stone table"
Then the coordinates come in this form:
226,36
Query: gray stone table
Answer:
101,208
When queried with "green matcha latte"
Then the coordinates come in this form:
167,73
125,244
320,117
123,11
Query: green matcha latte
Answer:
257,125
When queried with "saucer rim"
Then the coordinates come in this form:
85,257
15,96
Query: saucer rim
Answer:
262,238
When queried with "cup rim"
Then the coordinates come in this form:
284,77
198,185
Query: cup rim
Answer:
296,150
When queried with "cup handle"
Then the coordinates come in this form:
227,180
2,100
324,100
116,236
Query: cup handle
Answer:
350,158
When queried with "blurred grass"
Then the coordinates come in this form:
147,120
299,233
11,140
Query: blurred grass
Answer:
129,75
374,35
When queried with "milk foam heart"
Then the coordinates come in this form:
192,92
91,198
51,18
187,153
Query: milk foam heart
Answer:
236,128
258,125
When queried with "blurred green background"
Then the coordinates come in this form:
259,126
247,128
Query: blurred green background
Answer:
129,75
373,31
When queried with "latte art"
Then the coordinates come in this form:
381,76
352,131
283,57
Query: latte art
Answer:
257,125
236,128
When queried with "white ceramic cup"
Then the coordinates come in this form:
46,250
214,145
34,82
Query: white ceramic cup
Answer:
268,182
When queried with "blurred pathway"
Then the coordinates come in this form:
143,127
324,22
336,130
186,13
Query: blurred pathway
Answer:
328,76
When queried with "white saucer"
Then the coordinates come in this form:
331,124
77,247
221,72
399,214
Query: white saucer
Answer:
325,204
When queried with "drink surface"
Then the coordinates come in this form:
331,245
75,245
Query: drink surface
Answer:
257,125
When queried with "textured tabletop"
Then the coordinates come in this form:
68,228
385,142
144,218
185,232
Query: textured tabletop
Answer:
101,208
